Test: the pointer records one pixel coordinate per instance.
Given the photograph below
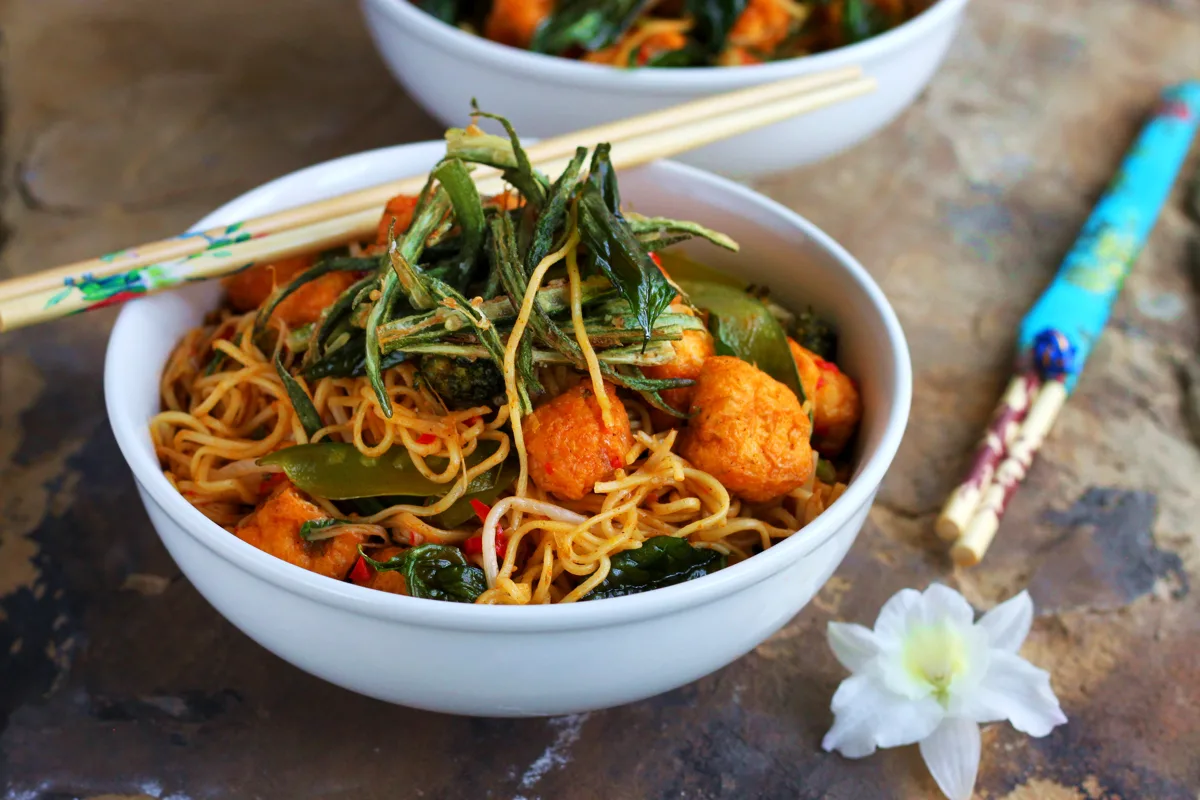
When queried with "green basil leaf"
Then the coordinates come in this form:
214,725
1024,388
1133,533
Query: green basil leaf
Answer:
622,259
445,10
744,327
660,561
312,526
861,19
816,335
714,20
587,24
435,572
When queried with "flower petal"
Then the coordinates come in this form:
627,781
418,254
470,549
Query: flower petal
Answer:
893,617
892,671
952,754
853,645
1015,690
940,603
867,715
976,659
1008,624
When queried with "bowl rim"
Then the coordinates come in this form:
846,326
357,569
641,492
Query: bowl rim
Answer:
582,73
497,618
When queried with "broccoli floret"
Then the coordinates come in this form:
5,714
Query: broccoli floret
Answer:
816,335
461,382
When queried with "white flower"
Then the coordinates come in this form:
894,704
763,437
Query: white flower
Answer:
929,673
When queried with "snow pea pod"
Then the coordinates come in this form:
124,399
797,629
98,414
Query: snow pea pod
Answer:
337,471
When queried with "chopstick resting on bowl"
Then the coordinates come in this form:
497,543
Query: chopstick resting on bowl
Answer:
217,252
1057,335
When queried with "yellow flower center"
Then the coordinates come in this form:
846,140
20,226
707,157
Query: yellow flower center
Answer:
934,655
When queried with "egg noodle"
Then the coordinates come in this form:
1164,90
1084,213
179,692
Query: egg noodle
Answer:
219,420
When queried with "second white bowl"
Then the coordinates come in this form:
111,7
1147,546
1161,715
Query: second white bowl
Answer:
444,68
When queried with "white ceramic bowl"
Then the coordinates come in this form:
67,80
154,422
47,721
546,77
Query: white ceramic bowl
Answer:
509,661
443,68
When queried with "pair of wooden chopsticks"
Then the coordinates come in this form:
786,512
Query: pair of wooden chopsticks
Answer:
152,267
1058,333
971,517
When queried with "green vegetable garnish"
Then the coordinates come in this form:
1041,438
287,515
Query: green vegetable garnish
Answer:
656,233
314,526
660,561
403,254
445,10
621,257
468,214
714,20
461,382
529,182
300,400
349,361
816,335
862,20
219,357
435,572
588,24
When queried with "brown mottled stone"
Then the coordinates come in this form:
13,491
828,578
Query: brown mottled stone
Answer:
126,120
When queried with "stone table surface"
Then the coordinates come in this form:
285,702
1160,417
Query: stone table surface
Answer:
126,120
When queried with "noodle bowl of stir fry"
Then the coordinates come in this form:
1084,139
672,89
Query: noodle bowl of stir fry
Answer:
558,66
555,449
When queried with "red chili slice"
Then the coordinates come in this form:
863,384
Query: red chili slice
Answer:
826,366
474,545
361,572
481,508
426,438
